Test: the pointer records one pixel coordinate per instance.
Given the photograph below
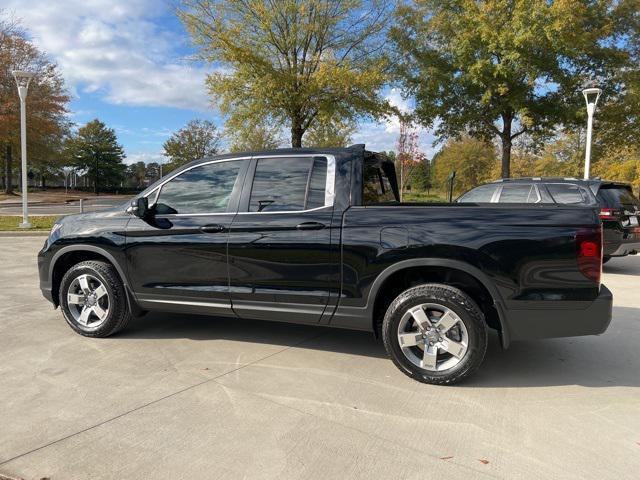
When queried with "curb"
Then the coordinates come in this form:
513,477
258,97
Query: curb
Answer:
35,233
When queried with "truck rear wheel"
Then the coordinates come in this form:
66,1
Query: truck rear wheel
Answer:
435,334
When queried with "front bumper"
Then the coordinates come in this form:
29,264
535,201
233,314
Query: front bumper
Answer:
569,319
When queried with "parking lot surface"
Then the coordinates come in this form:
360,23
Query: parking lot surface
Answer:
179,396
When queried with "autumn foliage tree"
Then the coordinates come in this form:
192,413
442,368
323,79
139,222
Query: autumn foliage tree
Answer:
292,60
47,101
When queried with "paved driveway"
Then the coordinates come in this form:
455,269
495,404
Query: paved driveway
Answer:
191,397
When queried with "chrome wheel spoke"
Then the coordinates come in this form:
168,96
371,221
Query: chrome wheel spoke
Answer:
100,291
430,358
83,319
456,349
410,339
421,318
99,311
75,299
448,320
83,281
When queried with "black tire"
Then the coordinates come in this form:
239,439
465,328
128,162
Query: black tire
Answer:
463,306
117,315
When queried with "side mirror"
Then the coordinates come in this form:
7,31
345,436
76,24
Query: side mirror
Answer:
140,207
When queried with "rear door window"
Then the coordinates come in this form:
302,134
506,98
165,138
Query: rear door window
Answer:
568,193
518,193
482,194
290,184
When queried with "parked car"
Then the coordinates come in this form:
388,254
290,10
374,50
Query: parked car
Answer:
619,209
317,236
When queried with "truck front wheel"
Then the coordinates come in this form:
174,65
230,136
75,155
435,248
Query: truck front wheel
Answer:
435,334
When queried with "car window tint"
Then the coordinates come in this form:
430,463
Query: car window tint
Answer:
566,193
515,193
202,189
480,194
376,187
317,184
616,196
279,184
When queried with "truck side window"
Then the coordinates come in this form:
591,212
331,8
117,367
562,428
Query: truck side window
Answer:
202,189
317,184
376,187
566,193
279,184
290,184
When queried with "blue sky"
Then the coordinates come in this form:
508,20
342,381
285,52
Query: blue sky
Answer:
129,63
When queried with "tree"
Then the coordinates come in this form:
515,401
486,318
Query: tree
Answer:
47,103
471,159
503,68
197,139
408,156
420,177
330,133
292,60
254,134
95,149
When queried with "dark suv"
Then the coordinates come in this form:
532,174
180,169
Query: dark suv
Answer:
619,209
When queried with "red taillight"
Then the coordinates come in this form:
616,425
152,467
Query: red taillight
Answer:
608,214
589,246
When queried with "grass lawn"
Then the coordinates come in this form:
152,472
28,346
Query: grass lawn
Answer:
423,197
43,222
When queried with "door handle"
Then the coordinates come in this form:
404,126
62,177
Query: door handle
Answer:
310,226
212,228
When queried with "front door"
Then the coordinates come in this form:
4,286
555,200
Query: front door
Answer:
177,259
283,261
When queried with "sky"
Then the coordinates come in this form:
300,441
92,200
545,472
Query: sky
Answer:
130,64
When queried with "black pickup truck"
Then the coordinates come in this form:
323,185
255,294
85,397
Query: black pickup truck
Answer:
318,236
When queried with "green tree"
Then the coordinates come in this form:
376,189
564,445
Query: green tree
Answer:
253,134
420,176
473,161
497,69
330,133
95,149
197,139
292,60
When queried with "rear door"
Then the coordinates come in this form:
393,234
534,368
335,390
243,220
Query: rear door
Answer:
283,264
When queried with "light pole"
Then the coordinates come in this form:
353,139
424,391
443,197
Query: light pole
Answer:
591,96
22,80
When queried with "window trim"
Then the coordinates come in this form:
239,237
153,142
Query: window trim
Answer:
329,189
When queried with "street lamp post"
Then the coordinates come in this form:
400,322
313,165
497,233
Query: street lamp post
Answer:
591,96
22,80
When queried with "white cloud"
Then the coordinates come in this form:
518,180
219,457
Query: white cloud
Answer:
114,47
384,135
146,157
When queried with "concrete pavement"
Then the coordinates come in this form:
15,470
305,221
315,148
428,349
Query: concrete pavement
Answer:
191,397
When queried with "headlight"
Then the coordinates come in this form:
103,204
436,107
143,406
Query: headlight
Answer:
55,228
